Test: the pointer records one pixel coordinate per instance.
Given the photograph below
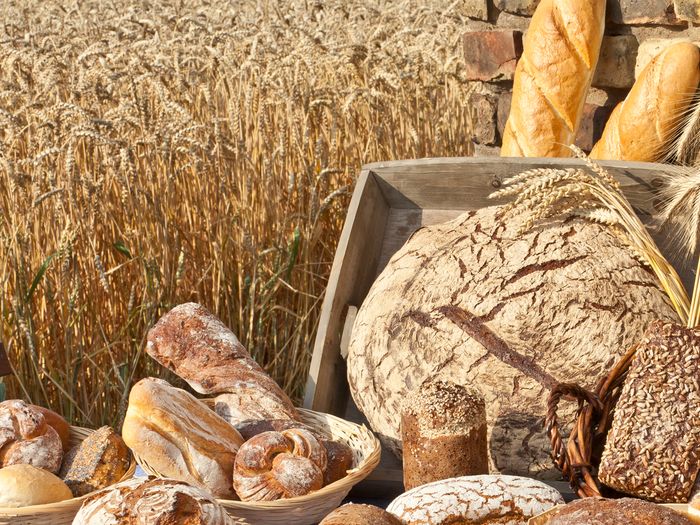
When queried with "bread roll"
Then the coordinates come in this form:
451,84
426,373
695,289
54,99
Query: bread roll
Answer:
26,438
599,511
152,502
553,77
59,424
101,460
339,455
443,430
275,465
485,500
642,127
352,514
199,348
179,437
25,485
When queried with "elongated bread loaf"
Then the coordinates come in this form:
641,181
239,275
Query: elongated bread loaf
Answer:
199,348
642,127
553,77
179,437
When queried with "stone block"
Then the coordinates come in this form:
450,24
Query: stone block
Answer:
592,125
478,9
518,7
688,10
486,151
504,101
642,12
492,55
618,56
484,107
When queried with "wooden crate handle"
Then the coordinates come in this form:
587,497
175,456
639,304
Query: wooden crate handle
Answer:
347,330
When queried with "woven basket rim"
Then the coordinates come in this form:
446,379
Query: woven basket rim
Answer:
343,485
61,506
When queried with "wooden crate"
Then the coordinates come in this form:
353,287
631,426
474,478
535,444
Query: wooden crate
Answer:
392,200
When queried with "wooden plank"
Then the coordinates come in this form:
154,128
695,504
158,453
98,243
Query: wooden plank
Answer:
463,184
5,368
352,275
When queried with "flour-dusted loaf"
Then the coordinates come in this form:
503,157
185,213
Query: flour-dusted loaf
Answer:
26,437
275,465
199,348
354,514
486,500
652,450
643,126
443,429
178,436
24,485
99,461
552,78
152,502
474,302
599,511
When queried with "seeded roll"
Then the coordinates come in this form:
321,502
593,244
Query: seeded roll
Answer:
101,460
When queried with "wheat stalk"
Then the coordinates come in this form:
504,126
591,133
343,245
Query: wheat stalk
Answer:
551,192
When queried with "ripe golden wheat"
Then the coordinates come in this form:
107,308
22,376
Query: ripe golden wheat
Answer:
155,153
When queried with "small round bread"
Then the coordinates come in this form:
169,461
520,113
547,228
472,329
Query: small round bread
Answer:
26,438
24,485
600,511
353,514
99,461
276,465
149,502
486,500
59,424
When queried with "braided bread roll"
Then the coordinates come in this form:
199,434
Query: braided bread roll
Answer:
276,465
553,77
26,437
642,126
199,348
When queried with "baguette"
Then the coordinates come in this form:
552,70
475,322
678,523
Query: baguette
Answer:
643,126
553,77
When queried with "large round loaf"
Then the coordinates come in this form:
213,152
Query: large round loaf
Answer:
473,302
488,499
151,502
599,511
354,514
179,437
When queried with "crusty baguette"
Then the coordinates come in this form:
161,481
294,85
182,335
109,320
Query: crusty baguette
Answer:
642,127
199,348
553,77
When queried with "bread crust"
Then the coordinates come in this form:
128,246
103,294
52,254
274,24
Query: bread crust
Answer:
179,437
642,127
553,77
22,485
354,514
599,511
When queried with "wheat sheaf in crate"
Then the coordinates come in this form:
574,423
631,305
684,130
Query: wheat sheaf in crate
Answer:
398,201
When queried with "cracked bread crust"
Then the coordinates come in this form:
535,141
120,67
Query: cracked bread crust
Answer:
473,302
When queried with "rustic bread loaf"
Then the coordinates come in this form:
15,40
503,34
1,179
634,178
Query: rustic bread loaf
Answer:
59,424
652,450
642,127
340,457
553,77
100,460
443,430
179,437
26,438
474,302
599,511
353,514
475,499
152,502
276,465
199,348
23,485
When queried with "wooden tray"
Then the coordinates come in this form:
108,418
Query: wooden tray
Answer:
392,200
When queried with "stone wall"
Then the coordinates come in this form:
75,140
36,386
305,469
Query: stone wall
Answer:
636,30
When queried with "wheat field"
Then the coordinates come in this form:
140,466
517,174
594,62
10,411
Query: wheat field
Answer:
153,153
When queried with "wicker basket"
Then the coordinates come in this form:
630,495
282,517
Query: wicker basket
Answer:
579,458
61,513
312,508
